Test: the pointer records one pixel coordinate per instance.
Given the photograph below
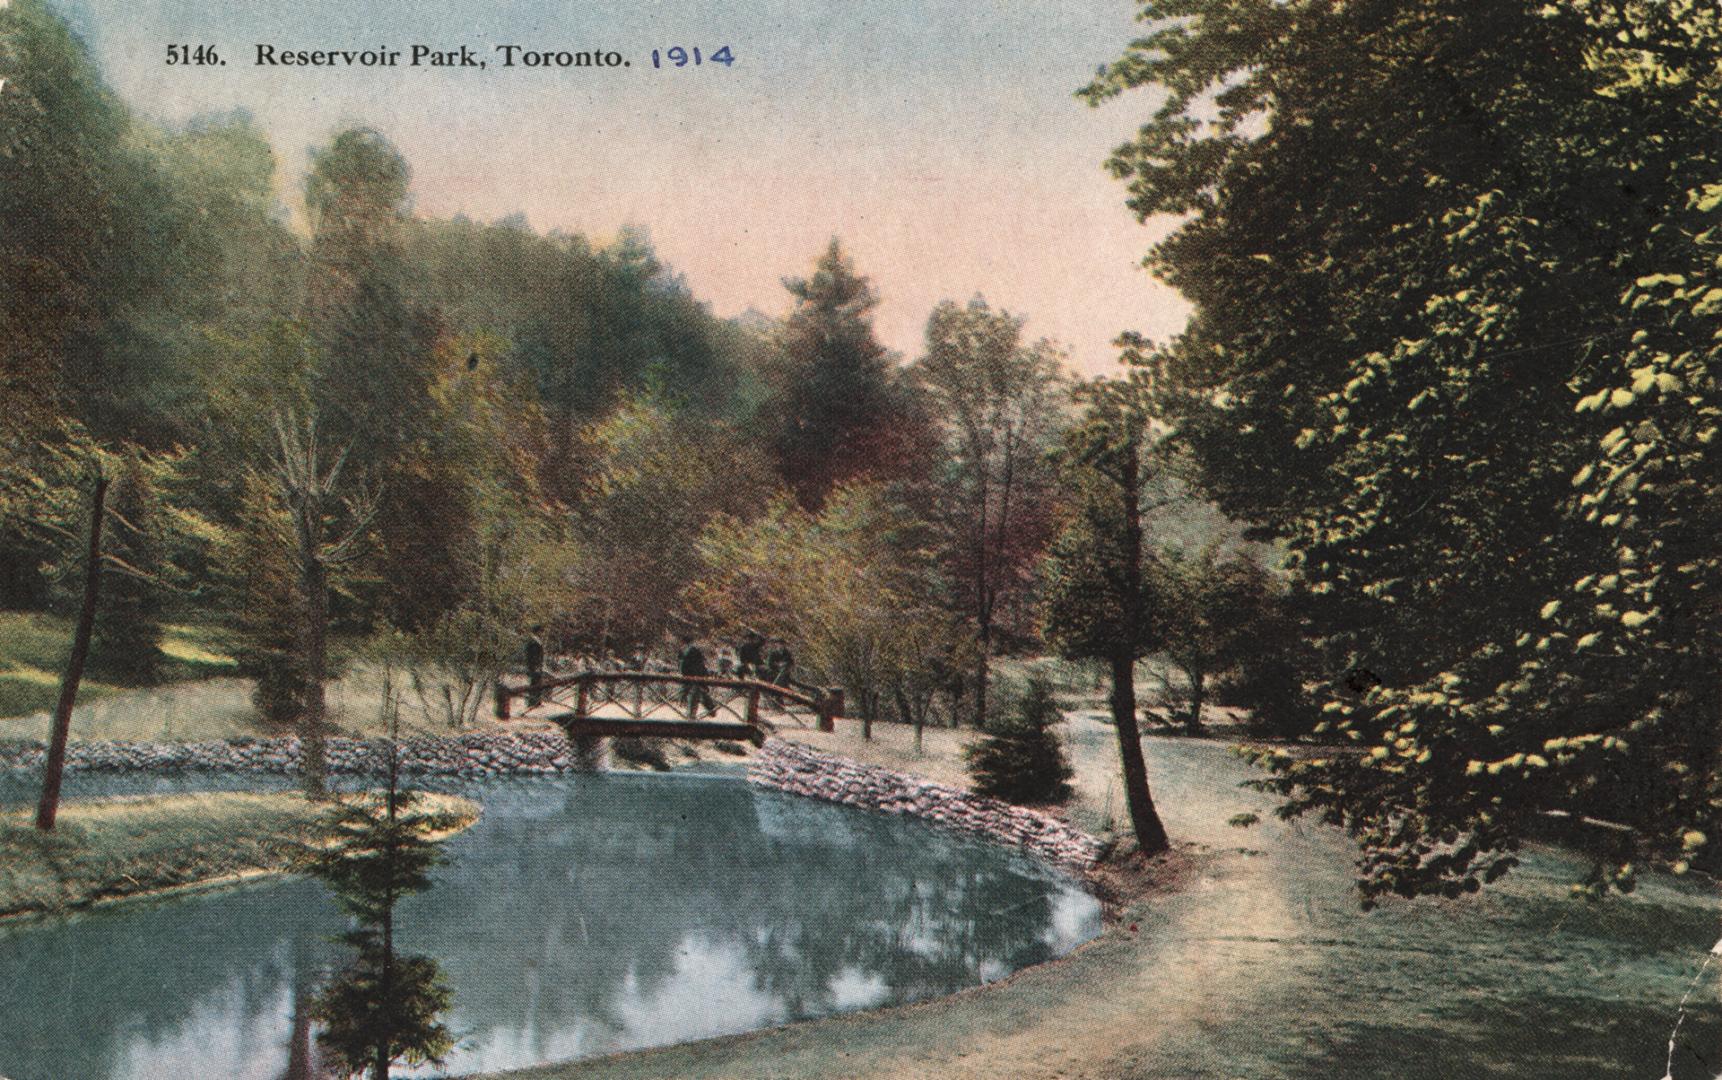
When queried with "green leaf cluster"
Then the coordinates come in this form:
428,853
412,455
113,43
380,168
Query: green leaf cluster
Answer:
1455,275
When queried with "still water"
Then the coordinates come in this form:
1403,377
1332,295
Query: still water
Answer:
578,917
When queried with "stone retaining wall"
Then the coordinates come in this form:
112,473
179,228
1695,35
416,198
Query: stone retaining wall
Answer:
526,753
800,770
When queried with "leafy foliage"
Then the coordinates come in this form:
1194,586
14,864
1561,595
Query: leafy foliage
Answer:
1000,405
1097,604
1419,236
1210,613
855,587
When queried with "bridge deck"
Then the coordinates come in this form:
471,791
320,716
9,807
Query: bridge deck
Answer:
609,726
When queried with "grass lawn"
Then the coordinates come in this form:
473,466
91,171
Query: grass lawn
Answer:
198,699
33,648
107,848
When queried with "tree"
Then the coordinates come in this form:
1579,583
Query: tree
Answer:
1020,758
384,1007
1210,616
839,412
854,588
61,134
48,807
998,400
662,476
1097,606
321,530
59,491
1407,230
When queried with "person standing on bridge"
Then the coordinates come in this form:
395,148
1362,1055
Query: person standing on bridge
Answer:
534,667
779,662
695,694
749,656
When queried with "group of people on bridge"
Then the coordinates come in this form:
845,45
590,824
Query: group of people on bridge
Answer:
754,656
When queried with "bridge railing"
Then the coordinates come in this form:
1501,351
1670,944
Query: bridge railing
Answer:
648,695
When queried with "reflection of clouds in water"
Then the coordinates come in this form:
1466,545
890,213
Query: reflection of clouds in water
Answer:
231,1033
713,993
853,988
783,820
1072,919
577,917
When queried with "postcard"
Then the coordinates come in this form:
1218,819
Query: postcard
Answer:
906,538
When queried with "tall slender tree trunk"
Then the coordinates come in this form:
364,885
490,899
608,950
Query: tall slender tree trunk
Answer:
1144,819
314,651
983,606
49,807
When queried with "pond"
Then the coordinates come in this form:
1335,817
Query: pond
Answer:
578,917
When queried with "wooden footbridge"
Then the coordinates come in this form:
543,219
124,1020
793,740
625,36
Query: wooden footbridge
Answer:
595,704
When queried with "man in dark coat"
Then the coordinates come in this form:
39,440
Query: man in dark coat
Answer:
534,667
779,662
693,662
750,656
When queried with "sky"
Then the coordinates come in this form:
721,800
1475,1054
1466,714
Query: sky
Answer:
940,140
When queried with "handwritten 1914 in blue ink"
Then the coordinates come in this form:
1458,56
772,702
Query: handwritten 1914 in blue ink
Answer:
680,56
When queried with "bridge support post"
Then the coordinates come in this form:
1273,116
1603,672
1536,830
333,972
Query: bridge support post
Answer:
591,753
580,700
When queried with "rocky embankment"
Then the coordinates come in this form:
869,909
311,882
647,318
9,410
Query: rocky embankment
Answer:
525,753
800,770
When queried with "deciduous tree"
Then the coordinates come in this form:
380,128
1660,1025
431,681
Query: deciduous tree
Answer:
997,400
1418,236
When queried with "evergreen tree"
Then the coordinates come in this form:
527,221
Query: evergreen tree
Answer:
839,410
383,1007
1020,758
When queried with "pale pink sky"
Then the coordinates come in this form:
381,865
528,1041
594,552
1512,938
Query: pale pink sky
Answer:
939,138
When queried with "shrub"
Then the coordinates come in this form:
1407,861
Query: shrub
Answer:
1020,758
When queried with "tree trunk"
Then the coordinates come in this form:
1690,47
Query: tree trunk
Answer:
908,712
1198,694
1150,833
983,611
314,654
49,807
1144,819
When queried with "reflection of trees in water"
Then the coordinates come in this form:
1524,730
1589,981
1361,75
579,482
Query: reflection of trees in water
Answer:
806,893
917,929
567,906
76,995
